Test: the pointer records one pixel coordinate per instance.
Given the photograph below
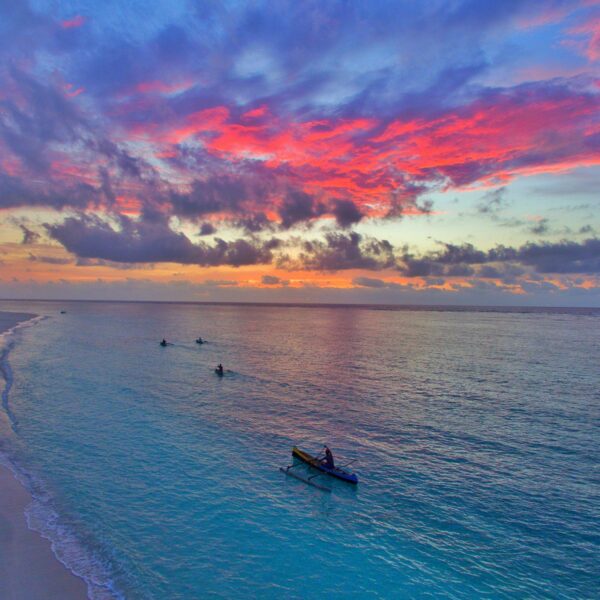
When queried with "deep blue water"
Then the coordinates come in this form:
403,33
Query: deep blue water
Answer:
476,436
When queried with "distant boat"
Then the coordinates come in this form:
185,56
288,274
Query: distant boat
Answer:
63,312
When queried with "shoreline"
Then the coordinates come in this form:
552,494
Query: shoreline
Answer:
28,566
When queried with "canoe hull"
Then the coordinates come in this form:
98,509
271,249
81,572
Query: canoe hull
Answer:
315,463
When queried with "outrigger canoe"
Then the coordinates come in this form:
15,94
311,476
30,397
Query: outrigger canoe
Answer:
316,464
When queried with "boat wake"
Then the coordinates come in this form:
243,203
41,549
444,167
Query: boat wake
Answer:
41,513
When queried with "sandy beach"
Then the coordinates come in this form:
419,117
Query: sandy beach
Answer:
28,568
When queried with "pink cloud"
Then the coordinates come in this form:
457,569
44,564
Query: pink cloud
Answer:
256,113
590,31
76,21
161,87
72,91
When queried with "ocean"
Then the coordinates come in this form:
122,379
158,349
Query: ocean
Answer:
475,435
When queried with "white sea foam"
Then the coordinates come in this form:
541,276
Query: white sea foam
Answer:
7,342
41,513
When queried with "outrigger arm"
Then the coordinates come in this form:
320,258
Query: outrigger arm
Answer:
306,480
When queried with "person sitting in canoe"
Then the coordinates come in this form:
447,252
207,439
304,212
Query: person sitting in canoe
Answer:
164,342
328,460
219,369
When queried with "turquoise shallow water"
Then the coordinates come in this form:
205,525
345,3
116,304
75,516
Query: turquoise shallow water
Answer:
476,435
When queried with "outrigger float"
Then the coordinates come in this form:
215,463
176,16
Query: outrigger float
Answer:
315,463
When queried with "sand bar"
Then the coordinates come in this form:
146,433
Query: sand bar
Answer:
28,568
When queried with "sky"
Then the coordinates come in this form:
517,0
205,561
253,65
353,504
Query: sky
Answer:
406,152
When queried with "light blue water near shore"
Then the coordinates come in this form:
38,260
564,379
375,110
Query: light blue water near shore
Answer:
477,435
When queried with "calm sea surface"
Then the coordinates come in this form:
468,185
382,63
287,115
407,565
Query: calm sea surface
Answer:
476,436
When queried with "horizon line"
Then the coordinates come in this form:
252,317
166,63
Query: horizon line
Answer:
380,306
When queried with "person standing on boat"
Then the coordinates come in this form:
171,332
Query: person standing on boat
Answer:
328,460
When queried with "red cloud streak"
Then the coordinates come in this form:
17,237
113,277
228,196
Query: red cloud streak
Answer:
487,142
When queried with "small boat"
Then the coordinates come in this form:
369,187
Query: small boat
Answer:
220,372
164,343
199,341
316,464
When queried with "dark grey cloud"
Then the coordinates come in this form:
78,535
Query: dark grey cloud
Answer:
435,280
346,212
50,260
127,165
562,257
347,251
374,283
254,223
540,227
99,262
153,241
240,195
452,260
370,282
244,252
15,192
507,272
273,280
106,186
465,253
207,228
29,236
420,267
232,193
298,207
459,270
493,201
407,195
